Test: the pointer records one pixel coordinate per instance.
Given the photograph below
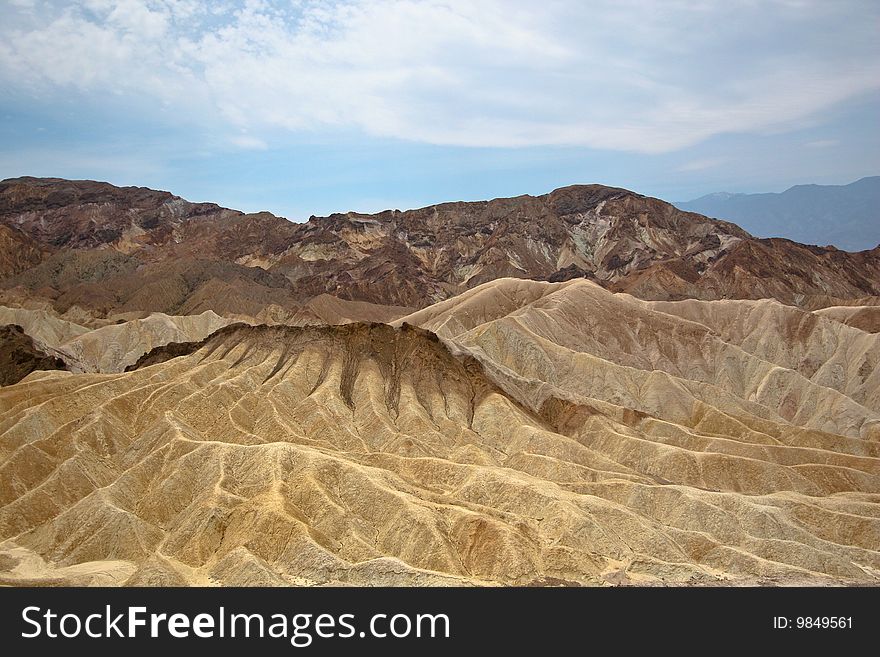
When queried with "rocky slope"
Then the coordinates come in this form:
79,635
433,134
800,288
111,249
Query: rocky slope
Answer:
112,250
83,214
17,252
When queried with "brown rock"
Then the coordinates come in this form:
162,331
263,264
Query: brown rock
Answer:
19,356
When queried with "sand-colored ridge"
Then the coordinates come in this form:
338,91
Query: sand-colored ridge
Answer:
113,348
865,318
120,340
771,363
42,325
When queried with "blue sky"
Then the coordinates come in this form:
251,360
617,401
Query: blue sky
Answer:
312,107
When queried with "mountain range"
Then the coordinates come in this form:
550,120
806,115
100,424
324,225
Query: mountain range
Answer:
847,216
589,387
104,250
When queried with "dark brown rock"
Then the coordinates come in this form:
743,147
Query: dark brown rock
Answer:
19,356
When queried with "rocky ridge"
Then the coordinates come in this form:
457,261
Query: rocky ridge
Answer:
112,250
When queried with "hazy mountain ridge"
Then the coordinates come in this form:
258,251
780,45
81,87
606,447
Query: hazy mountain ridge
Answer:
847,216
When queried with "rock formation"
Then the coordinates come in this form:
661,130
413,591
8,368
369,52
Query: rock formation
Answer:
113,250
19,355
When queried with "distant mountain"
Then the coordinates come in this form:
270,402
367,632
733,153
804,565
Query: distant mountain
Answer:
847,216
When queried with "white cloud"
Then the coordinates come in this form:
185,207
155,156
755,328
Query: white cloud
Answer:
702,165
615,74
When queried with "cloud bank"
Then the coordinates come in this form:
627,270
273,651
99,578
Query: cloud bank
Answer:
626,75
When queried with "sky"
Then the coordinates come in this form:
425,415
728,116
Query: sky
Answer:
307,107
